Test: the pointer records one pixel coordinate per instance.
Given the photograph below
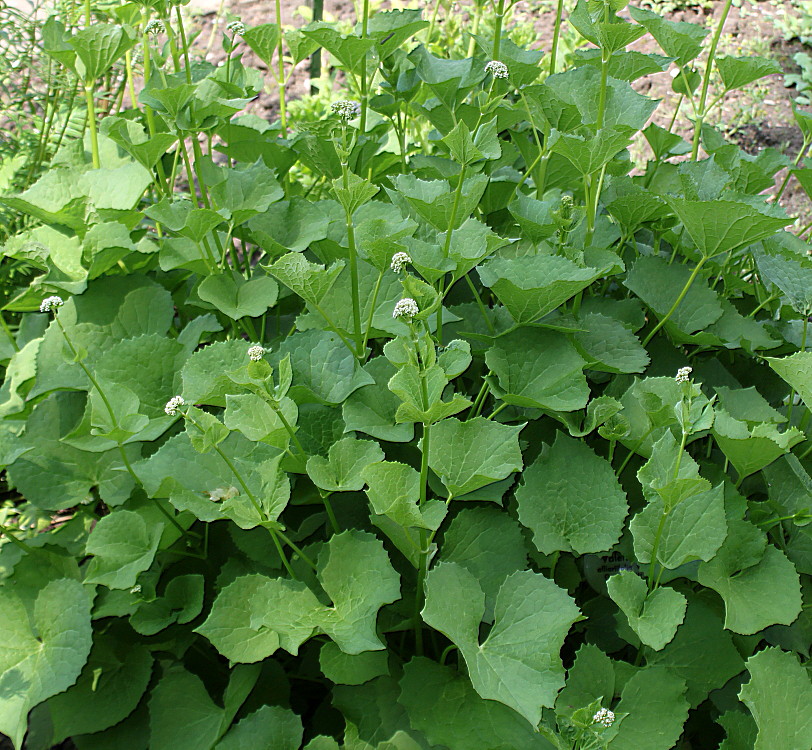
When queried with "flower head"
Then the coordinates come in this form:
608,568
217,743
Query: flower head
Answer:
155,27
684,374
406,308
256,352
400,261
346,109
497,69
51,303
173,405
604,717
237,28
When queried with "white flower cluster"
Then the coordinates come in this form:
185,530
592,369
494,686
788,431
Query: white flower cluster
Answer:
400,261
155,27
684,374
604,717
173,405
237,28
497,69
256,352
346,109
405,308
51,303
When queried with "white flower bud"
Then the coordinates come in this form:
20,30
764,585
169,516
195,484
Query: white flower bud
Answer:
400,261
604,717
346,109
51,303
684,374
497,69
155,27
405,308
172,406
256,353
237,28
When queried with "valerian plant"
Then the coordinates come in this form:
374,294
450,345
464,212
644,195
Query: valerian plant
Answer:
433,423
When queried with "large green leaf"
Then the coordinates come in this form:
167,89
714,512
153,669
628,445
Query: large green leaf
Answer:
571,500
555,382
342,470
42,653
778,695
518,663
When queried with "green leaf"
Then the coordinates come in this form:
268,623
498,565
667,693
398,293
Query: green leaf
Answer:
232,295
533,286
659,284
268,726
255,418
371,409
469,455
654,700
738,72
204,376
431,693
778,695
309,280
609,346
109,688
355,193
345,669
246,192
555,382
678,39
394,491
123,544
720,226
350,51
764,594
324,370
355,572
434,201
98,46
797,371
571,500
290,225
343,469
44,652
702,652
518,664
589,154
787,266
263,41
654,616
489,544
181,602
591,677
694,529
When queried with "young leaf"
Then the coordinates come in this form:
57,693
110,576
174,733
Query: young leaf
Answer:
342,470
653,616
469,455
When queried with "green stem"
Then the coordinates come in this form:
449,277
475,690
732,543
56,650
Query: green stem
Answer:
480,7
559,12
295,548
701,112
358,332
677,302
328,506
364,93
480,304
280,80
15,541
184,44
91,123
803,349
375,293
8,333
497,32
787,177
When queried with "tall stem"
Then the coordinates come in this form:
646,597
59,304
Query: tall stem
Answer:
91,123
497,32
356,303
280,79
559,11
677,302
364,25
803,349
703,98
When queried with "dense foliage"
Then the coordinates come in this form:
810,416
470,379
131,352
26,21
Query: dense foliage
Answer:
431,422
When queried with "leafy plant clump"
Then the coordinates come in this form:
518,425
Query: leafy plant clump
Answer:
429,423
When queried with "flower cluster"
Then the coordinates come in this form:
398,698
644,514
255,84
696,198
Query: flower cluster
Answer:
256,352
51,303
155,27
346,109
684,374
400,261
604,717
237,28
497,69
173,405
405,308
